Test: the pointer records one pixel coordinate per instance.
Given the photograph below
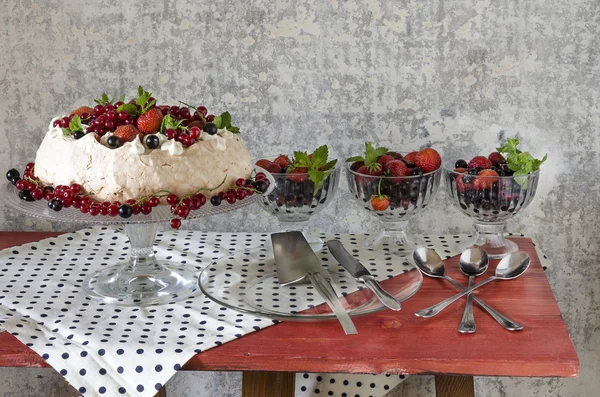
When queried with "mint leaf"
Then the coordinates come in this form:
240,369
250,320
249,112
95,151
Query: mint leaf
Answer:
319,156
355,158
301,159
129,108
67,132
218,121
226,119
330,165
317,177
234,130
104,100
169,122
521,163
75,124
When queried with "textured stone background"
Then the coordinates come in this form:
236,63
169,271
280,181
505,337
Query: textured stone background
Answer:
457,74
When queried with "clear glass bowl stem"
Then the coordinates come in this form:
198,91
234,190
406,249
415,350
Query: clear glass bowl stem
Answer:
490,238
394,234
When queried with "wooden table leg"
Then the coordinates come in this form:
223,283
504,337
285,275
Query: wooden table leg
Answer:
268,384
454,386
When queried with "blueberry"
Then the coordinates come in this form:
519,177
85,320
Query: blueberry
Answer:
12,173
460,164
56,205
125,211
25,195
467,178
215,200
261,186
472,171
417,171
78,134
152,141
407,164
479,169
211,129
114,142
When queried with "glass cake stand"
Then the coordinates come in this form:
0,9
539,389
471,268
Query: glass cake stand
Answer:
144,280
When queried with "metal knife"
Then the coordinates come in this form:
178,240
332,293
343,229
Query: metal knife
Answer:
360,273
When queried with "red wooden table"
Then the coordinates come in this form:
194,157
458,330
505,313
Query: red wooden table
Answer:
390,342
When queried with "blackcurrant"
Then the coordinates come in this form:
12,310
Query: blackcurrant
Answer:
417,171
407,164
15,179
125,211
25,195
114,142
78,134
460,164
12,173
215,200
56,205
472,171
210,128
152,141
261,186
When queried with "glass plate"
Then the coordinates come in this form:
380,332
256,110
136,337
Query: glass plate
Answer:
246,281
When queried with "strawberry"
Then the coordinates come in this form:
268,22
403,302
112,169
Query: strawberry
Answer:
380,203
479,161
283,161
485,179
150,121
298,174
269,166
397,168
356,165
395,155
384,159
460,170
370,171
126,133
81,110
411,157
496,158
428,160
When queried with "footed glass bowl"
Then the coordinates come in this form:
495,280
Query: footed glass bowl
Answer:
490,201
295,198
407,195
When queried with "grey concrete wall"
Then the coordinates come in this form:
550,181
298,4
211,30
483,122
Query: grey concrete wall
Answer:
459,74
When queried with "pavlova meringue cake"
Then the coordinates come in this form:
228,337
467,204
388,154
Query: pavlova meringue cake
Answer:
119,151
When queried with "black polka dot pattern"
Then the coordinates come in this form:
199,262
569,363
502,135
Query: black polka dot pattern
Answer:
107,350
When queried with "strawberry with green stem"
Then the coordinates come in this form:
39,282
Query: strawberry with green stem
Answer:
380,202
370,160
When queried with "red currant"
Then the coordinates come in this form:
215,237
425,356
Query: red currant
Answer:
230,198
106,204
86,200
170,133
104,210
68,194
66,203
112,115
210,118
129,121
135,209
186,202
195,132
183,211
29,166
175,223
184,113
48,195
222,195
94,210
20,184
172,199
76,202
76,188
113,210
203,110
195,203
37,194
146,208
109,124
200,197
118,104
154,201
85,208
108,108
260,175
240,194
240,182
130,201
123,115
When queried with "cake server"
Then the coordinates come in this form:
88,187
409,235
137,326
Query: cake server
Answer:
360,273
296,262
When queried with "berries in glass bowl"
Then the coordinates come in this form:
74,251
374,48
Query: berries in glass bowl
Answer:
491,190
394,187
304,184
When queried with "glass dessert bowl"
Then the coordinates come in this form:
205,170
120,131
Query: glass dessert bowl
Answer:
490,201
295,197
393,200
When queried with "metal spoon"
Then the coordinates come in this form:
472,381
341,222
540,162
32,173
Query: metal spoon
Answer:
510,267
475,258
431,264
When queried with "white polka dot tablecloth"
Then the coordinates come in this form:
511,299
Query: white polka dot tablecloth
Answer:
105,350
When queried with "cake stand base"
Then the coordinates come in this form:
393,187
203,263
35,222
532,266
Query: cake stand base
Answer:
144,280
